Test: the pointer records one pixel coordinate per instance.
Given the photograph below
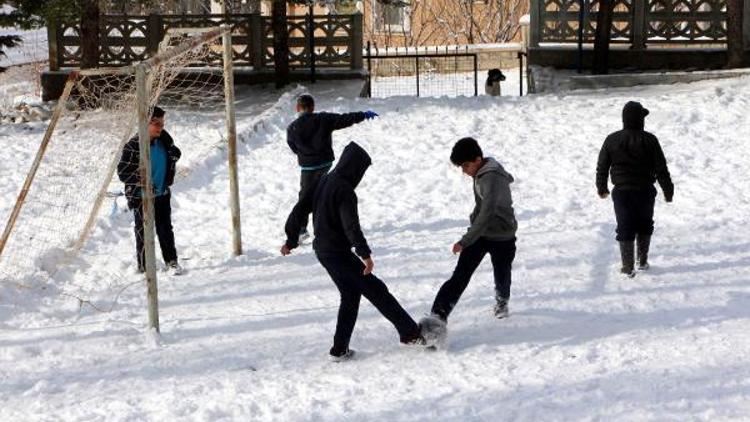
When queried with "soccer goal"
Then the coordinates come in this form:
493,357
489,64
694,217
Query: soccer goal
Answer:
62,199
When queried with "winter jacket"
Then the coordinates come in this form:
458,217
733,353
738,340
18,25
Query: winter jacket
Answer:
309,137
335,216
633,156
493,217
127,168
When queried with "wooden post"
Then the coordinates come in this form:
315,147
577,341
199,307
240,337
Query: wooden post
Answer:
746,25
147,194
52,43
37,160
153,34
356,42
234,193
639,25
536,10
256,41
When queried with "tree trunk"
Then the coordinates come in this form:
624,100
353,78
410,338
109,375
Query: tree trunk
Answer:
735,47
280,43
89,34
603,34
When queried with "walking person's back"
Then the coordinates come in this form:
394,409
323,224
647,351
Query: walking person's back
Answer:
635,160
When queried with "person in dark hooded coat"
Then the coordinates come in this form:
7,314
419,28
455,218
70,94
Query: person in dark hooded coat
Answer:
635,160
337,231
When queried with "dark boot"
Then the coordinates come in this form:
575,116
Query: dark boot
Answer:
501,307
627,253
643,242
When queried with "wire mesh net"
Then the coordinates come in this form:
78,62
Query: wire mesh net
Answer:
425,76
94,137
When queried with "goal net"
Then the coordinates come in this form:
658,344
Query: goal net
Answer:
70,191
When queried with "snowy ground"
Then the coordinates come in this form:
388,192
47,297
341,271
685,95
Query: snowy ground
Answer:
246,338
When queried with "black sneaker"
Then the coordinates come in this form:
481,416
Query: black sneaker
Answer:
415,340
348,354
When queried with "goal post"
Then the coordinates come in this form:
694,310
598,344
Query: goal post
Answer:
60,203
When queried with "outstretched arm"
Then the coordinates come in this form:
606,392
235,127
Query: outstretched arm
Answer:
334,121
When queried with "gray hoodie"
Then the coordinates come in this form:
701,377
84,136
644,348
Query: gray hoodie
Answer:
493,217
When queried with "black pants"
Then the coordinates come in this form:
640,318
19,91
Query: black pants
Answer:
346,270
163,223
634,210
502,253
308,182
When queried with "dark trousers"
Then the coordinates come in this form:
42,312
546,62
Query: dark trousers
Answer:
502,253
308,182
163,223
634,211
346,270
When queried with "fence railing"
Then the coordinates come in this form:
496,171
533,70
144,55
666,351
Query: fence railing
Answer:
422,74
129,39
636,22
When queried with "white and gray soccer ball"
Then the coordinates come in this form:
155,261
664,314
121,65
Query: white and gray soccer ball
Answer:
434,331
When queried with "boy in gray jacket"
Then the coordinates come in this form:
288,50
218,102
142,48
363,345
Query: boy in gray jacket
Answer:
493,230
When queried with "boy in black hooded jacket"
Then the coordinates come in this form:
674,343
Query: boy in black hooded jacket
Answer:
337,231
635,160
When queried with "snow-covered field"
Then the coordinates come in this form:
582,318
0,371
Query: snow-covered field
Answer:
246,338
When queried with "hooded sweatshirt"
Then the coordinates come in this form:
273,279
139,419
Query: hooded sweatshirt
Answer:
493,217
632,156
309,136
335,215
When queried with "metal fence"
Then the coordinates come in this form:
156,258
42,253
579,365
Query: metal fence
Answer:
409,72
129,39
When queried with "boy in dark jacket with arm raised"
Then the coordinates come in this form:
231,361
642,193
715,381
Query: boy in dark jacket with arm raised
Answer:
635,160
310,139
337,231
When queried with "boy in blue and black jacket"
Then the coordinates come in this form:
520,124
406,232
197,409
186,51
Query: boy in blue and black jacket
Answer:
164,156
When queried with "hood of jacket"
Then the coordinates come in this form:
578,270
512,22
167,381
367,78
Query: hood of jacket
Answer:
353,164
491,165
633,115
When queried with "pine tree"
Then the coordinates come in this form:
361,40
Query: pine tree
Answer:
18,15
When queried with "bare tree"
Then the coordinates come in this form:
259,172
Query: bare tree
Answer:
440,22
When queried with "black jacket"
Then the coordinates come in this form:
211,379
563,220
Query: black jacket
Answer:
309,136
334,207
127,168
633,156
